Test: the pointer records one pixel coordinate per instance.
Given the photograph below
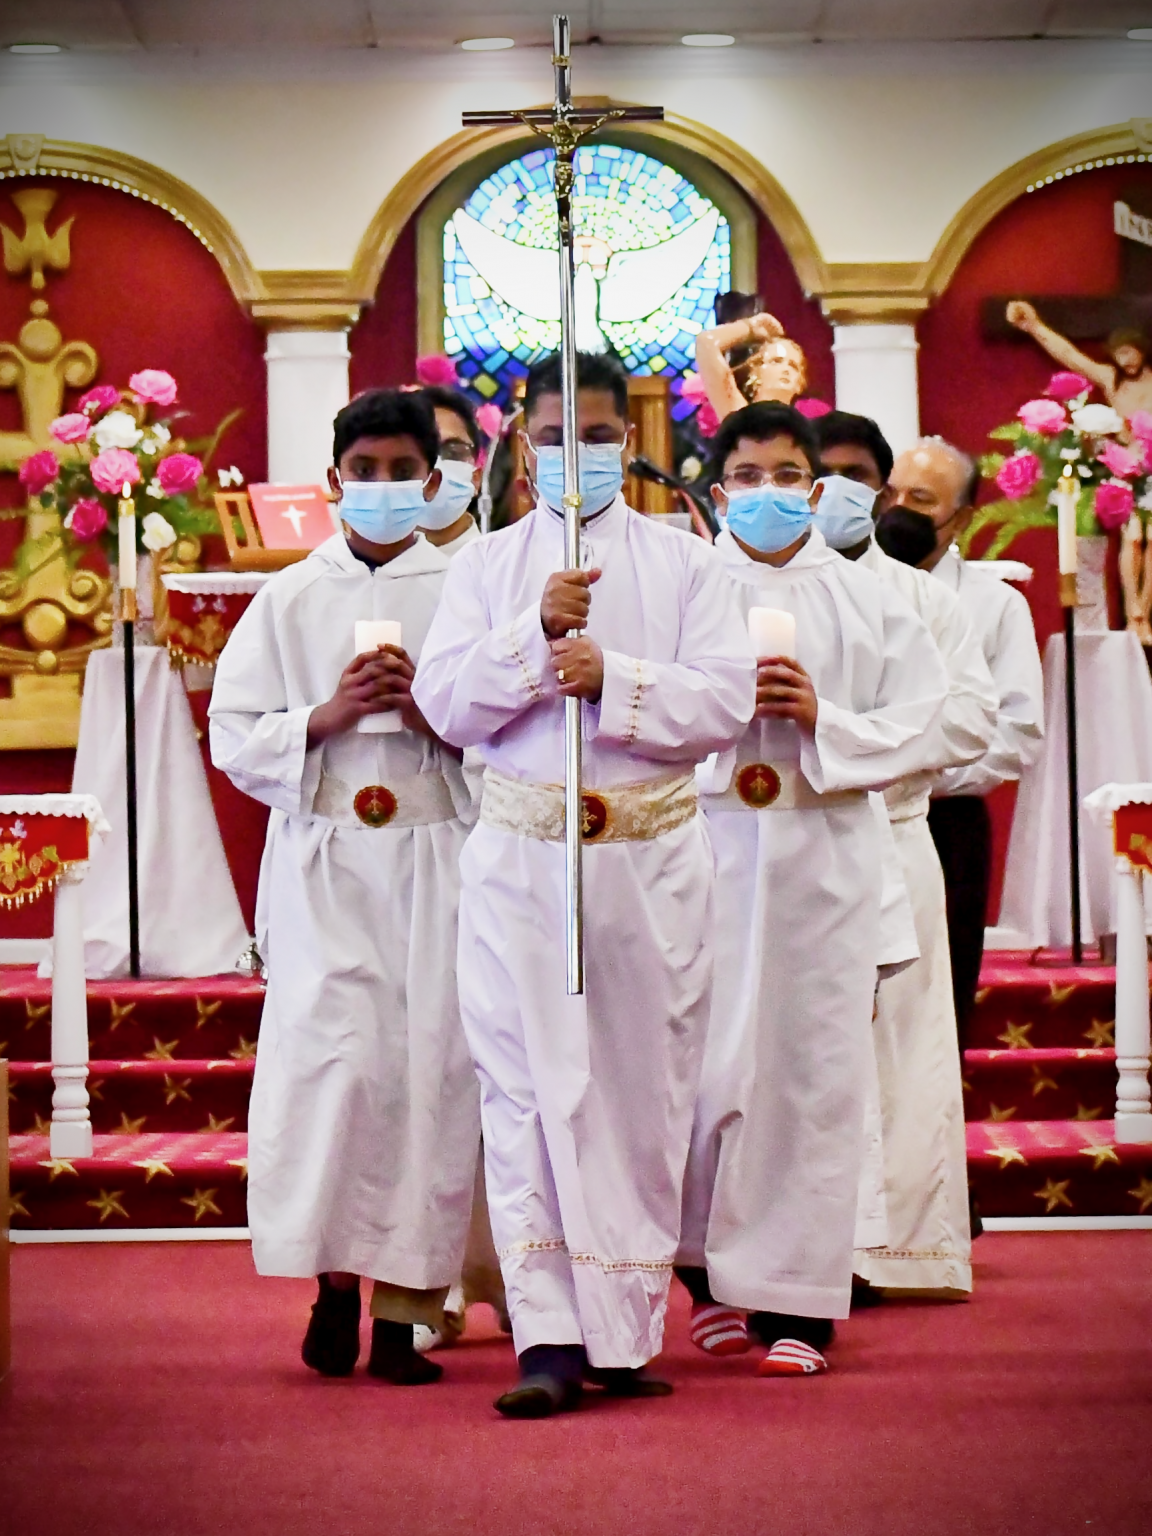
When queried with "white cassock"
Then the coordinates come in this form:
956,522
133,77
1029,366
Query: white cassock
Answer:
929,1242
364,1119
1002,622
778,1142
461,541
587,1101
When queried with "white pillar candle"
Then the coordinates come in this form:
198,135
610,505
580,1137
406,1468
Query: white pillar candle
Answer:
1067,495
371,633
126,529
772,632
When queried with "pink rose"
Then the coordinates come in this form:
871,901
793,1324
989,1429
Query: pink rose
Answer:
178,473
99,400
38,472
1044,416
813,408
86,519
73,428
692,387
1141,424
707,420
1114,504
1018,475
152,386
1121,461
435,368
490,418
113,469
1066,386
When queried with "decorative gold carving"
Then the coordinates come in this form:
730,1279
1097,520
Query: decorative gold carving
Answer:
37,249
24,151
306,301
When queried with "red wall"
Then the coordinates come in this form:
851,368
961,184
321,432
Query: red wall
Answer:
383,343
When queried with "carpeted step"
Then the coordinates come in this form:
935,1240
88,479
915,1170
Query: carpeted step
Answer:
131,1097
1057,1168
1057,1084
131,1181
1039,1006
141,1020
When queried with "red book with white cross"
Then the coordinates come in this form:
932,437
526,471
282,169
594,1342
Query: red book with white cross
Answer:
291,516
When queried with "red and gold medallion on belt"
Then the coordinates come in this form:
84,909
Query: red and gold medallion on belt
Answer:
758,785
595,817
375,805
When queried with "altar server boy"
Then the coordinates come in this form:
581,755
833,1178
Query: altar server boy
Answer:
364,1120
587,1100
777,1147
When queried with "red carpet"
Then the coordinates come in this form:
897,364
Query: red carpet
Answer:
157,1391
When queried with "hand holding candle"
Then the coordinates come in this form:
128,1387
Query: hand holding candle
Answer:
772,632
370,635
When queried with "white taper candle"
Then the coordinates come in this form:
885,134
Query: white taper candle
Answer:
772,632
1067,495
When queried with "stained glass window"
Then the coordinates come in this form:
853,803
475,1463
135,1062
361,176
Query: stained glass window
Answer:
652,253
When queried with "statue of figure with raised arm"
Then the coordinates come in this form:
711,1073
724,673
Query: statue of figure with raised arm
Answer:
777,370
1125,381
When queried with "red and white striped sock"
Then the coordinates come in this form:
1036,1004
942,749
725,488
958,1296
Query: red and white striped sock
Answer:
792,1357
718,1330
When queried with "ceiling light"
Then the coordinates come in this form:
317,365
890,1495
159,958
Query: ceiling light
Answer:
487,44
1140,35
708,40
35,48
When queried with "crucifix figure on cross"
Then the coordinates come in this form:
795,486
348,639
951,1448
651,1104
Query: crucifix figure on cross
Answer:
565,126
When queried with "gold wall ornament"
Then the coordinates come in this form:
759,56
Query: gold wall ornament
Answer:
36,248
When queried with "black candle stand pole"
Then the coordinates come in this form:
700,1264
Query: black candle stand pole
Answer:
129,609
1068,600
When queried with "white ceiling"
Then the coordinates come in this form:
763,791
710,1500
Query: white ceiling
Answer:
271,25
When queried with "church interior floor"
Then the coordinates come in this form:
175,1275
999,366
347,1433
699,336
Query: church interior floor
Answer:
157,1388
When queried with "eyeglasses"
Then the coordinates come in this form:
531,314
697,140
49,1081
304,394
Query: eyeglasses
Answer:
457,450
787,477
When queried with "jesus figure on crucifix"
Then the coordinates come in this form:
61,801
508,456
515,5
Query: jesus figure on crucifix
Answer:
1125,381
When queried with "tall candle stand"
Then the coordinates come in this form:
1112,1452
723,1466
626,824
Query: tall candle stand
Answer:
126,529
1067,495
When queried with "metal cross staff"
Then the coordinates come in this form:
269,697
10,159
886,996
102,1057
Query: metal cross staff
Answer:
565,126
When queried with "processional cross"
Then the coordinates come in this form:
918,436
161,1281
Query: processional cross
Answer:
565,126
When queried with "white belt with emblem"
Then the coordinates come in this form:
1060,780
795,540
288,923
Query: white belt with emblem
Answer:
419,801
625,813
763,787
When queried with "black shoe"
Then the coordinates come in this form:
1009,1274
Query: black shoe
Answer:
974,1222
620,1381
551,1381
332,1342
394,1359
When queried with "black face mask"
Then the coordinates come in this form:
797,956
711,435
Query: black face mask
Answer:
907,536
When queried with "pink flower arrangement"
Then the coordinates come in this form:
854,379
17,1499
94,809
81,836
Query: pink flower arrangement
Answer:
98,400
1018,475
38,472
1046,417
490,418
707,421
1066,386
73,428
178,473
813,408
152,386
436,368
86,520
1114,504
1121,461
113,469
693,388
1141,425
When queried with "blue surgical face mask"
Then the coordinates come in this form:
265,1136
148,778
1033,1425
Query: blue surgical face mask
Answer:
768,518
844,514
453,498
382,511
601,473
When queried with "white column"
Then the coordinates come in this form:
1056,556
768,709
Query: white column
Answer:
71,1134
876,376
307,385
1133,1106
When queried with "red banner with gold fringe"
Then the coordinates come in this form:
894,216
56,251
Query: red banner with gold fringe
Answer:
199,624
35,851
1132,834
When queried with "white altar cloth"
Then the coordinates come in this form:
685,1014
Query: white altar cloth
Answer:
190,919
1114,720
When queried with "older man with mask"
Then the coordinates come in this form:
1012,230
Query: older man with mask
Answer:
922,1109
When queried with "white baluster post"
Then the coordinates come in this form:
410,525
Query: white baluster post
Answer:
1133,1103
71,1134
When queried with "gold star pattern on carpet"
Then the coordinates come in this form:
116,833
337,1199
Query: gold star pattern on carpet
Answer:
1006,1155
152,1166
241,1163
1143,1194
56,1166
245,1050
1058,994
1100,1155
206,1010
41,1125
34,1012
108,1204
95,1089
997,1115
161,1051
982,995
203,1203
119,1012
1041,1082
1054,1193
1101,1033
129,1127
174,1090
16,1206
11,1091
1084,1113
1015,1036
216,1126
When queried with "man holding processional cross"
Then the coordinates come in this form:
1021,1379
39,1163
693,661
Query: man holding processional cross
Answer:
590,692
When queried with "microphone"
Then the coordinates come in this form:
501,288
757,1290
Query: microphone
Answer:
644,469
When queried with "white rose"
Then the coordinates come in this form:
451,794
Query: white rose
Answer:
156,491
117,430
1097,420
161,433
157,533
1145,502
